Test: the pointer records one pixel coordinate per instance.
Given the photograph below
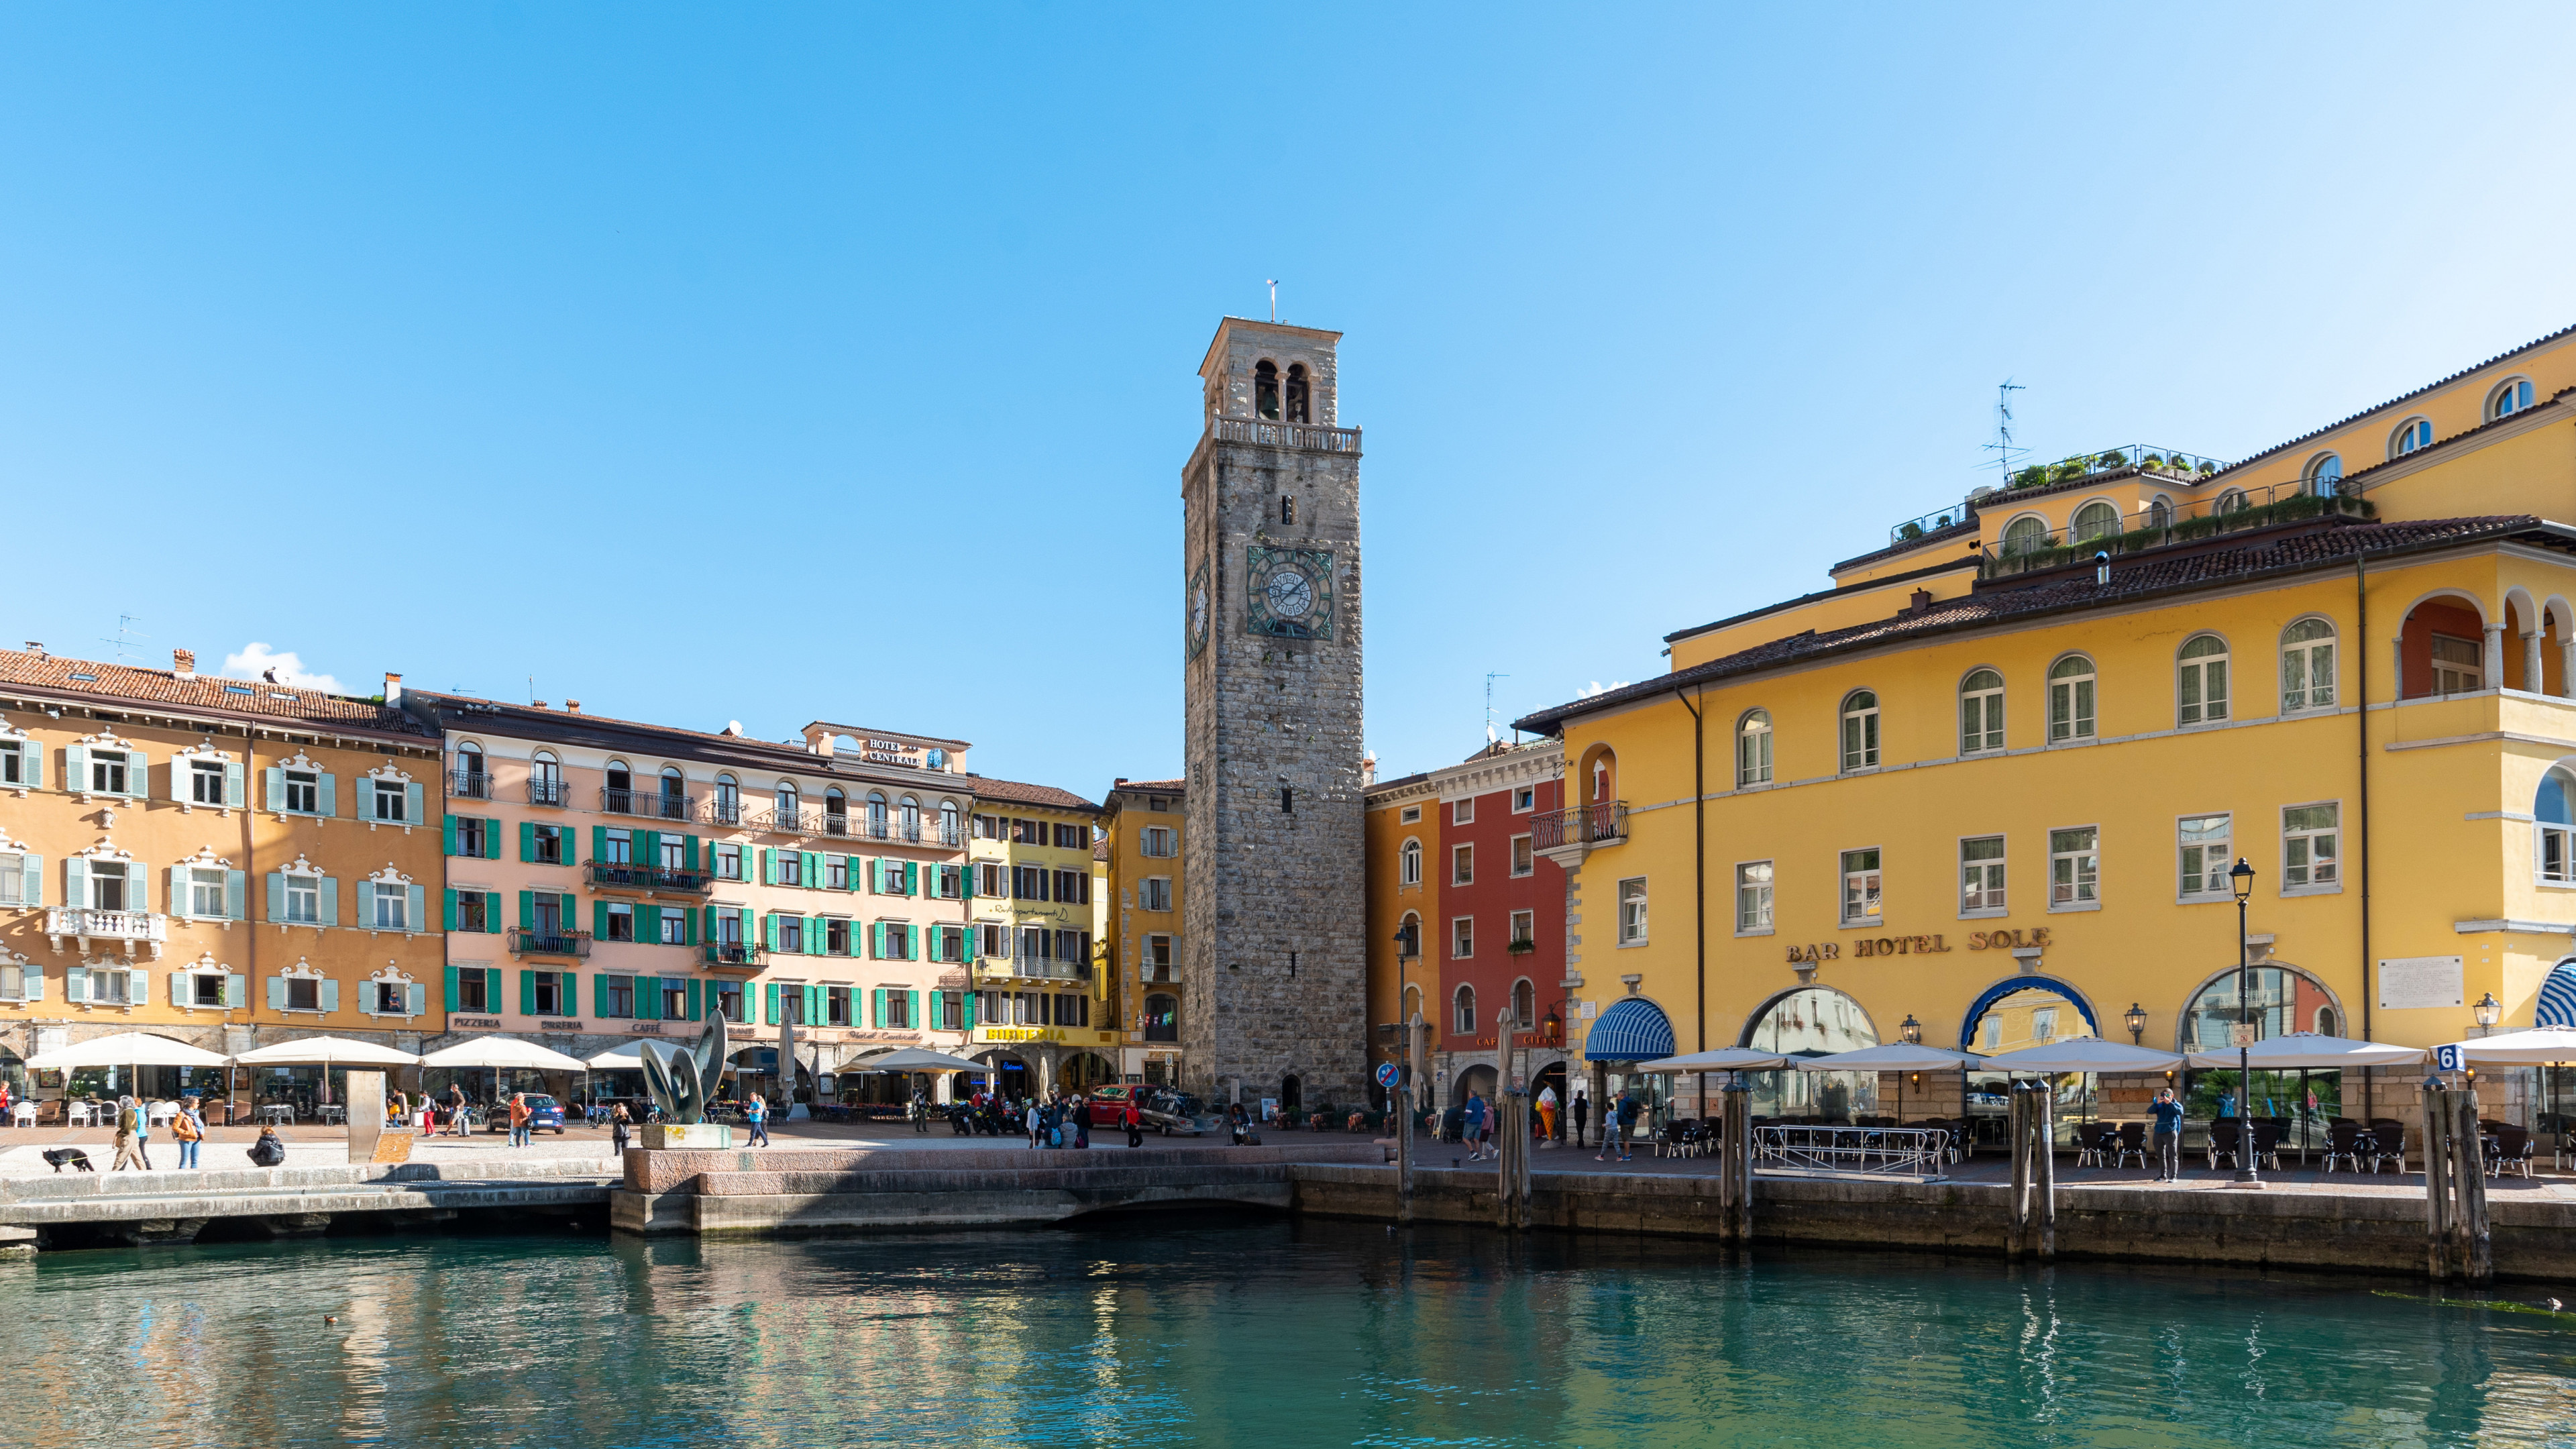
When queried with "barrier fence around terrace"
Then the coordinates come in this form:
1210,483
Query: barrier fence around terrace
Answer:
1909,1152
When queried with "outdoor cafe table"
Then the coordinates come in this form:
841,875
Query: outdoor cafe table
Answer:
280,1113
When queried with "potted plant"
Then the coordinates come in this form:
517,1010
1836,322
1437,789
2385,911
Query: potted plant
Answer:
1522,947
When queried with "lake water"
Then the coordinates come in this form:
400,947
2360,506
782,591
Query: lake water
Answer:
1254,1333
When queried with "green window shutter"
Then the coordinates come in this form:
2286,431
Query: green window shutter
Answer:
813,1005
447,921
850,873
876,1007
769,1000
814,870
768,867
599,842
491,840
693,1001
689,851
688,926
648,849
876,941
527,840
527,910
527,993
911,882
451,833
966,944
912,943
710,926
769,930
599,920
599,995
912,1000
450,987
970,1011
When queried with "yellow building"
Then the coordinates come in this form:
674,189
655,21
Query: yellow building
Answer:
1143,820
230,863
1041,1016
1990,784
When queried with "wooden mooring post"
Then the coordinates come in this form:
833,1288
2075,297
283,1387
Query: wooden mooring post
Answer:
1735,1165
2033,1225
2457,1243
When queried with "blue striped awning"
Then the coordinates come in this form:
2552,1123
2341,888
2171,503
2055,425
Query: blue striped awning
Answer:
2558,996
1632,1030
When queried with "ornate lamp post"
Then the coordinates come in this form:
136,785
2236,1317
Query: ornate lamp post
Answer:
2241,879
2488,1011
2135,1018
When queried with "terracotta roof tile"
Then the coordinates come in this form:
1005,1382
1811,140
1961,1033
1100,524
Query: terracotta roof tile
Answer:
1026,794
2285,549
2404,397
124,682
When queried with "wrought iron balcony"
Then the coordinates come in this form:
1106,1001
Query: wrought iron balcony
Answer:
470,785
734,955
721,810
1602,823
545,790
128,929
658,805
524,942
633,876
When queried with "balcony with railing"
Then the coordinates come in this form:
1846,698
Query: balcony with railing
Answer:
1270,433
469,785
745,956
653,804
526,942
548,790
1583,826
721,810
625,875
126,929
891,829
2029,546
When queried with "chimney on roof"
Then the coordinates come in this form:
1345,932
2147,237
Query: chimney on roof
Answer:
393,688
35,648
733,727
818,740
1368,770
572,706
536,704
183,663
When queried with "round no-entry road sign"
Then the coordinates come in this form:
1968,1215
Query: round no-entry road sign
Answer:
1386,1074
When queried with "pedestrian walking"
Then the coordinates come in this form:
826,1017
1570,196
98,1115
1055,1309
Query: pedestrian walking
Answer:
1135,1124
129,1136
1547,1116
456,1109
1475,1127
520,1113
1081,1112
617,1124
1034,1118
2168,1115
920,1112
1627,1119
1582,1116
756,1112
189,1127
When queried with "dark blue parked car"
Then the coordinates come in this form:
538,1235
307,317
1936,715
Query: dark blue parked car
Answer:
544,1112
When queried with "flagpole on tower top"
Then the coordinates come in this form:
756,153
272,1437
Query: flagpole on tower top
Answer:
1274,297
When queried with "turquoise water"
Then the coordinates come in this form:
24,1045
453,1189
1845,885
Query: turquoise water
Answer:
1253,1333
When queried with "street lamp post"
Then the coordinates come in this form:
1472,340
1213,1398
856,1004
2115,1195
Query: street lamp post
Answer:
2241,879
2488,1011
2135,1018
1912,1031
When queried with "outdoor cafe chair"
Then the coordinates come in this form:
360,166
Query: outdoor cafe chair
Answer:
2223,1136
2267,1143
2132,1139
2344,1140
2387,1143
2512,1152
2091,1143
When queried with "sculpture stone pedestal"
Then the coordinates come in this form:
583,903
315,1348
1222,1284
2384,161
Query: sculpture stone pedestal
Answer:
699,1136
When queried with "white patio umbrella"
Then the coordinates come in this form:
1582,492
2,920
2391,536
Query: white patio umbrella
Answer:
919,1059
1723,1059
2308,1049
1895,1056
326,1051
497,1052
627,1057
127,1049
2541,1046
2084,1054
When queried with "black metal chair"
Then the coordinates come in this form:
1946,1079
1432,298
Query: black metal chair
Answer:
2387,1143
2224,1136
2345,1140
2132,1143
2511,1153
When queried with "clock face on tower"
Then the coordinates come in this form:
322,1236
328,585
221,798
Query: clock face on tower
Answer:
1288,593
1198,610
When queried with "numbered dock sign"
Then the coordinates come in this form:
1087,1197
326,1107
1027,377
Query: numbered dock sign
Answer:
2450,1058
1387,1074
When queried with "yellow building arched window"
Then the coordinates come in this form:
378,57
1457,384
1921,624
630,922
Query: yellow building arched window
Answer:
2096,519
1981,712
2200,694
2307,666
1753,749
2070,699
1860,730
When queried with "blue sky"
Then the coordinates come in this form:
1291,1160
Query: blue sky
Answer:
830,361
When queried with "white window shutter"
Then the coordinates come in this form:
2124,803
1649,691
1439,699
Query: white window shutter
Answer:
138,775
35,979
76,881
366,998
76,768
76,984
237,895
330,996
329,803
141,880
273,781
411,803
31,880
180,995
138,987
414,998
236,990
415,918
33,758
329,890
179,901
277,993
234,781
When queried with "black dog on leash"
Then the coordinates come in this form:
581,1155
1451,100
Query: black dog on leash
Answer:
62,1157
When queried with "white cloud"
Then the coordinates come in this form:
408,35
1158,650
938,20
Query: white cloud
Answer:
1597,687
256,659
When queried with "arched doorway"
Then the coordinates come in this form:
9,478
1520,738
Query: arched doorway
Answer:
1479,1079
2278,998
1085,1070
2028,1011
1812,1021
1012,1076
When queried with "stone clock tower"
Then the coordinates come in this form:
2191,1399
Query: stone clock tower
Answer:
1273,961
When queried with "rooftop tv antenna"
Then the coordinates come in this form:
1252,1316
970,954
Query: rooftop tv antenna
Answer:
1490,735
126,633
2002,447
1274,297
